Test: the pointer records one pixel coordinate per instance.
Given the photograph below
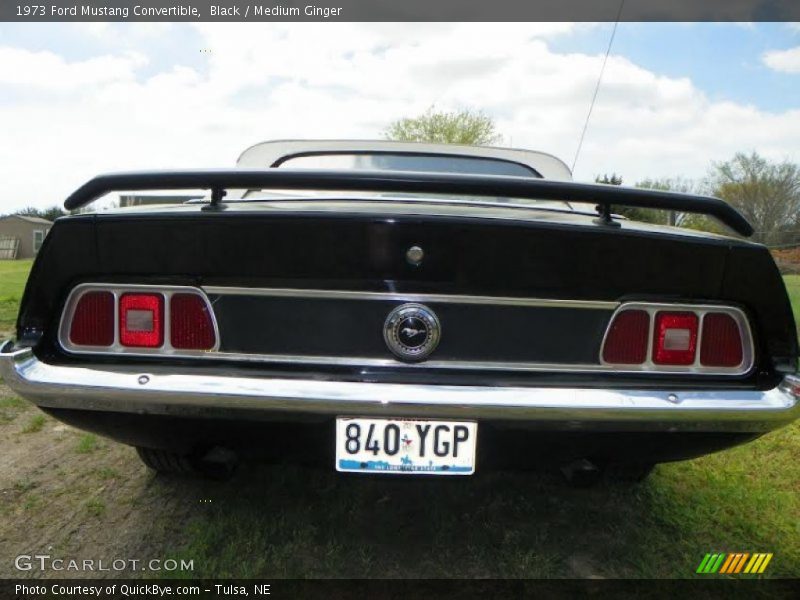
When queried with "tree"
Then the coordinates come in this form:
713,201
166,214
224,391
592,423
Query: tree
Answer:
766,193
635,214
670,184
459,127
51,213
658,216
614,179
671,217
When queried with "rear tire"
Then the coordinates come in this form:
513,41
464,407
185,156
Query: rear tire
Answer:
217,463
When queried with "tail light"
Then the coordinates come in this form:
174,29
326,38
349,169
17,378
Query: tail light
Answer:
675,338
191,326
141,320
722,341
93,320
137,319
626,343
678,338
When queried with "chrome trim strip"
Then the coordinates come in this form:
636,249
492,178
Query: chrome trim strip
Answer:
192,393
362,361
748,358
367,362
402,297
117,289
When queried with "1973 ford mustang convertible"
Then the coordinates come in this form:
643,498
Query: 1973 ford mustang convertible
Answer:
404,309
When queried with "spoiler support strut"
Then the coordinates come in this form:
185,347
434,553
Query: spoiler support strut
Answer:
217,194
604,216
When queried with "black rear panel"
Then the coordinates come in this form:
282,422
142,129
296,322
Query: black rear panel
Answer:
353,328
547,259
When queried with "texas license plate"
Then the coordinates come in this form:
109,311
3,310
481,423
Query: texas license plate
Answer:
405,446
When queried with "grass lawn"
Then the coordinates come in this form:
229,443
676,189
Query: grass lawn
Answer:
793,287
288,521
13,275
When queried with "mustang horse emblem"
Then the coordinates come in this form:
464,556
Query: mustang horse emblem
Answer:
411,332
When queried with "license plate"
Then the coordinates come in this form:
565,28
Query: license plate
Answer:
405,446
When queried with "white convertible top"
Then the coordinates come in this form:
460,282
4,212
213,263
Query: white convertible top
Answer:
272,153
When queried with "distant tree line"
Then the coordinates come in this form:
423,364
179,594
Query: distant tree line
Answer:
767,193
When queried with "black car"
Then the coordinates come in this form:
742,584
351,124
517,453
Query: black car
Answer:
404,309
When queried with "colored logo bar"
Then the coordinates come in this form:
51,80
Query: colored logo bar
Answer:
734,563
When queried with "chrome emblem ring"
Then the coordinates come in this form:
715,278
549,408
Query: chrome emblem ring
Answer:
412,332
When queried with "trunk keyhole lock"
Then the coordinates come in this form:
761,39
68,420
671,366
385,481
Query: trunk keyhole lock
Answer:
414,256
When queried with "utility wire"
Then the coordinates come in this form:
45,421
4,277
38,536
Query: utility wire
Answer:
597,87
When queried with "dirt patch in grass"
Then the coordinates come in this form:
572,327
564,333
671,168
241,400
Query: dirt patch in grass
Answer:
102,504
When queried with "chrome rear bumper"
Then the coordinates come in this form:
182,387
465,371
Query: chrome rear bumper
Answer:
188,393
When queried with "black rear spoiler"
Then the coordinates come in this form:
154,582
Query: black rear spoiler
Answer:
604,196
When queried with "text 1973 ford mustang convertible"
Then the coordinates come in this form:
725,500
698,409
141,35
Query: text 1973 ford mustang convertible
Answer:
404,308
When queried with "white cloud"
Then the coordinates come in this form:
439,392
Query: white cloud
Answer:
105,30
349,80
49,72
786,61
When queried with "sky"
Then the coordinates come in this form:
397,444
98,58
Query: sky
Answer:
81,99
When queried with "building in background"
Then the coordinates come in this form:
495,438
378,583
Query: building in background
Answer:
22,236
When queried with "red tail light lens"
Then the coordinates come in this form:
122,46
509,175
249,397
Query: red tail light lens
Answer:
141,320
722,341
626,342
93,320
675,338
191,327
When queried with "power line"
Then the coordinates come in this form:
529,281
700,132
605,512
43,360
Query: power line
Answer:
597,87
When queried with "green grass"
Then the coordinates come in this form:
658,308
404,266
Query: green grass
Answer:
87,443
12,402
24,485
95,507
31,502
35,424
106,473
793,287
11,407
13,275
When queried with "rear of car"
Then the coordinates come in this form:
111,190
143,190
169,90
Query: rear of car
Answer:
439,324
